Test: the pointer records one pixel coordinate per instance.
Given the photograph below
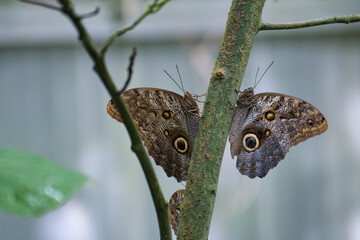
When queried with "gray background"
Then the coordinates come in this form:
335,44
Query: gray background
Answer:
52,104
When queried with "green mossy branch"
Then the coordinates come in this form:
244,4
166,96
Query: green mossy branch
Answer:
243,23
311,23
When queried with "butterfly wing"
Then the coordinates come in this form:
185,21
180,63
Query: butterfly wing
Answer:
266,126
167,123
174,207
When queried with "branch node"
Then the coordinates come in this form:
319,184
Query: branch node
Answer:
90,14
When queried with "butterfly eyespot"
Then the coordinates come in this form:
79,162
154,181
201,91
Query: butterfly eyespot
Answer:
250,142
270,116
167,114
166,132
310,122
267,132
181,145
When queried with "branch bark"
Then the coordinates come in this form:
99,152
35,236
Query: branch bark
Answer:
244,21
311,23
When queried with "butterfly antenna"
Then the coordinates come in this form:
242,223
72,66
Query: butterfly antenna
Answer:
264,73
257,72
181,82
174,81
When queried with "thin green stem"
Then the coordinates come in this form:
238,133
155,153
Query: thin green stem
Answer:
137,146
42,4
311,23
152,8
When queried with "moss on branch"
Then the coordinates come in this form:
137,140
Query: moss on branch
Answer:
243,23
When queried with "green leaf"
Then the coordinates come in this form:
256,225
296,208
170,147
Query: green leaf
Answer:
31,185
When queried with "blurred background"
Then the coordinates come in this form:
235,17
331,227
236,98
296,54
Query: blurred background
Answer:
52,104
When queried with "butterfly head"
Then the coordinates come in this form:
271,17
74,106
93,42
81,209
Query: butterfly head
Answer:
191,104
246,97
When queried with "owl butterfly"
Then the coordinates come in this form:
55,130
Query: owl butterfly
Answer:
175,203
167,123
266,125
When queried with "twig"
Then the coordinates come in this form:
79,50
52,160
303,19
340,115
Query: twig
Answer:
311,23
152,8
90,14
42,4
130,70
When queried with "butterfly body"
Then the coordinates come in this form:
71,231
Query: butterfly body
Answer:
167,123
266,125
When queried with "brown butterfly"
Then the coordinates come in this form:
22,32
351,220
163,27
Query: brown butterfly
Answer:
167,123
266,125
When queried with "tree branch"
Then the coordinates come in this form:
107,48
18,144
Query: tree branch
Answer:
90,14
311,23
152,8
42,4
137,145
243,23
130,70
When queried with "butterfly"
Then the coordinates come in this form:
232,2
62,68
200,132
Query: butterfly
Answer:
264,126
167,123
